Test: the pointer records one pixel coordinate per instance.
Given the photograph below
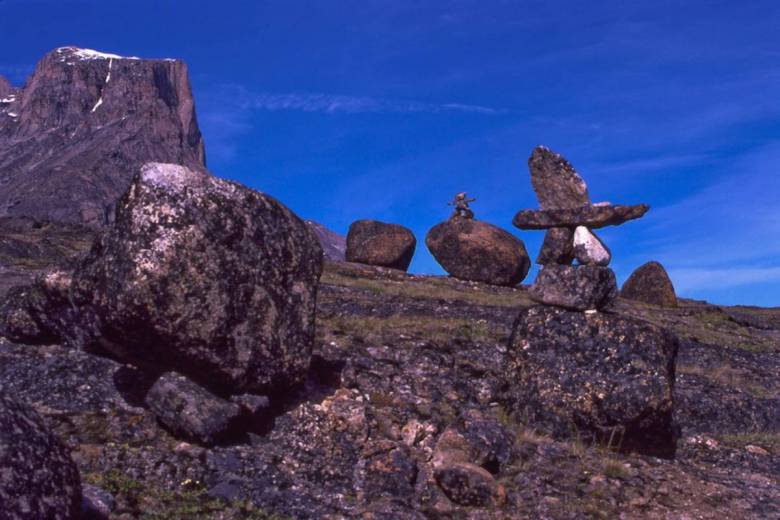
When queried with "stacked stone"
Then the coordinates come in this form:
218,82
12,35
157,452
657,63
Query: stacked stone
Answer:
569,217
599,376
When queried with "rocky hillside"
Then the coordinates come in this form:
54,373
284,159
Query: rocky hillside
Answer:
72,138
408,376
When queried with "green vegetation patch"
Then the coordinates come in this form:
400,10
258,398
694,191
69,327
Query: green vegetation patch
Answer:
429,288
191,501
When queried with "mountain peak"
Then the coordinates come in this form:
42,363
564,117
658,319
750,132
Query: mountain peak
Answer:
72,138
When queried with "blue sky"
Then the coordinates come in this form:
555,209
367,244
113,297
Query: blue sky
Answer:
385,108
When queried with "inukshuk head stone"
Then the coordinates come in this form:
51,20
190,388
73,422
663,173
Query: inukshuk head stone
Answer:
569,217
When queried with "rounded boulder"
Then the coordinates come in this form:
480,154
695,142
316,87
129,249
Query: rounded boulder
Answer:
38,478
650,283
480,252
377,243
204,277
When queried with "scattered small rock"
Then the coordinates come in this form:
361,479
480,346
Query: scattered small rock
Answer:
37,314
466,484
96,503
191,411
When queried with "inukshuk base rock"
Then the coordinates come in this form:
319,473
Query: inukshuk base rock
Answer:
596,377
588,375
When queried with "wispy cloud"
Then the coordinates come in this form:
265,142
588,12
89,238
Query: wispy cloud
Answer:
650,164
226,111
335,103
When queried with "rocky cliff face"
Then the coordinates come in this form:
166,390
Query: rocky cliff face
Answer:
72,138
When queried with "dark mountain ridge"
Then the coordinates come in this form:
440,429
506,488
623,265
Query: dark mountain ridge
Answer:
74,135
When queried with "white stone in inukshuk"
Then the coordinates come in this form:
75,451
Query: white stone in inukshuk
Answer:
588,249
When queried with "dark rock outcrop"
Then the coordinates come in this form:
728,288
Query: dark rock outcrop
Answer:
557,247
96,503
377,243
477,251
596,216
191,411
595,376
205,277
556,183
581,287
39,313
38,478
650,283
6,91
333,245
73,137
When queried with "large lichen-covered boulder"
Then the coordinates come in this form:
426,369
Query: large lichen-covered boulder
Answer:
575,287
650,283
205,277
38,478
477,251
594,376
376,243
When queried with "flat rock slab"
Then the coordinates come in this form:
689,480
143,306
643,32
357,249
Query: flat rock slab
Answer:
589,216
581,287
597,377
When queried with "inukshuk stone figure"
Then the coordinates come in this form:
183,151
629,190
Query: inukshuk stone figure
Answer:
462,209
569,216
602,377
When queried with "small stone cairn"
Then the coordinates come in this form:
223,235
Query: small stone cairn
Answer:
569,217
